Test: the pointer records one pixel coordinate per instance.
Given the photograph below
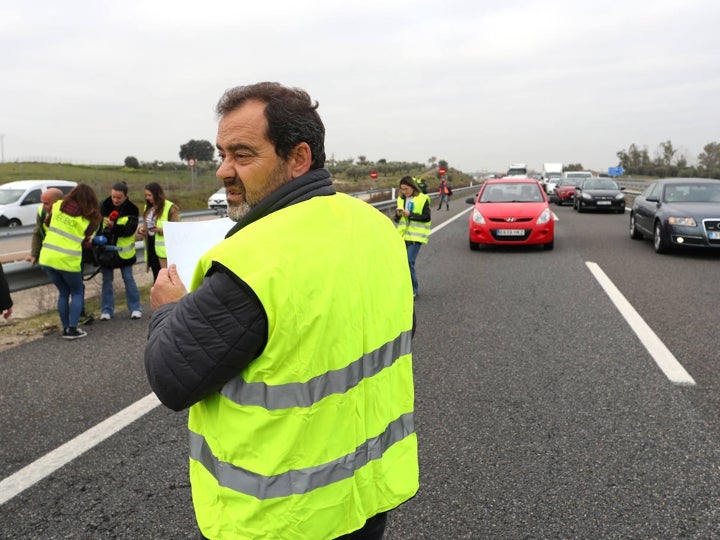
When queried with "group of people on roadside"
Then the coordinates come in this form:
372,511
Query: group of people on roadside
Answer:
69,227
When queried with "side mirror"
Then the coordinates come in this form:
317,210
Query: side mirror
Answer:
652,198
470,200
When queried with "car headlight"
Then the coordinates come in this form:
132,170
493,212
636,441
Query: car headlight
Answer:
478,217
586,196
544,217
619,196
682,221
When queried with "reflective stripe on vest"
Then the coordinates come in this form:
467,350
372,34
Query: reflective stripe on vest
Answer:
310,392
299,481
414,231
316,434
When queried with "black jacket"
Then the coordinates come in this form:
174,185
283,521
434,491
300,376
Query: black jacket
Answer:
198,344
132,212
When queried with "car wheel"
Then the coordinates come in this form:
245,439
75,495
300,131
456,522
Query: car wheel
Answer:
14,223
474,246
634,233
659,240
549,245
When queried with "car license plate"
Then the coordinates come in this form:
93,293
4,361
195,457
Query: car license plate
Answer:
510,232
714,235
603,202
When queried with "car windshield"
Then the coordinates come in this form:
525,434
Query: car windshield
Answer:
511,192
700,192
600,183
9,196
569,182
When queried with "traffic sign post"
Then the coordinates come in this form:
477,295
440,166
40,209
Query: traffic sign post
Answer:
193,173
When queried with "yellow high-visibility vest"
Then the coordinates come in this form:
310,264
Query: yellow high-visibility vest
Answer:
62,246
414,231
317,434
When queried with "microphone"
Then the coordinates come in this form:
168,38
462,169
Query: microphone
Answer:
113,218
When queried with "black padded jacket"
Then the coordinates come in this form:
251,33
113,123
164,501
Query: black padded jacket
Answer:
198,344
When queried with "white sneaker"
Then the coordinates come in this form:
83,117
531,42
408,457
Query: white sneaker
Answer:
136,315
105,317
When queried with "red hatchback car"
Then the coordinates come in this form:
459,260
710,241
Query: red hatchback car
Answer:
565,191
510,212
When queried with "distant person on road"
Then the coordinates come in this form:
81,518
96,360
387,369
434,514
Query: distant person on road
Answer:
293,350
413,218
120,221
6,302
49,197
444,192
422,185
158,210
73,222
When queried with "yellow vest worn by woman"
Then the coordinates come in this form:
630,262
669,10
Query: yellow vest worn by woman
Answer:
316,435
62,246
160,250
125,244
414,231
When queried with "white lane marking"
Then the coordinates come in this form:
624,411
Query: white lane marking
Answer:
665,360
437,228
52,461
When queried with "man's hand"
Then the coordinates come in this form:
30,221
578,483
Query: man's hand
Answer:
168,287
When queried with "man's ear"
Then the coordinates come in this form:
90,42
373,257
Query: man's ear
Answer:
301,159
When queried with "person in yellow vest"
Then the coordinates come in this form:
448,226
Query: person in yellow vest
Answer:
158,210
49,197
120,221
297,374
73,222
412,216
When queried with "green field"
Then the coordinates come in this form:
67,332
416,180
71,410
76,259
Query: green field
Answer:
192,193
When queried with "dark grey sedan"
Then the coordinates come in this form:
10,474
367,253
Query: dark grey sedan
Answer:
678,212
599,194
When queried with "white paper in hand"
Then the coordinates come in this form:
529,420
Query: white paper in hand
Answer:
187,241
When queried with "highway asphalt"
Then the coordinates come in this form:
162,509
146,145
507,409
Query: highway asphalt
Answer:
539,411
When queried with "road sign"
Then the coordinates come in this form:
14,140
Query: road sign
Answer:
191,162
441,171
616,171
373,174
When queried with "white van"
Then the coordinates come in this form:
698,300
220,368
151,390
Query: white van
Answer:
19,200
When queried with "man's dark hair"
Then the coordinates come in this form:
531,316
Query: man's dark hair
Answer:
291,116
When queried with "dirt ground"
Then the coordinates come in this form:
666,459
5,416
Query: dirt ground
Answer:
35,312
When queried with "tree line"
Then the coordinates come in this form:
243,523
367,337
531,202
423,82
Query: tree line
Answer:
669,161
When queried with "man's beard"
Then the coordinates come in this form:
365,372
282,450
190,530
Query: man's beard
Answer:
239,211
276,179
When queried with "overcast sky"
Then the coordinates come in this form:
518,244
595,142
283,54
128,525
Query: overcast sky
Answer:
479,83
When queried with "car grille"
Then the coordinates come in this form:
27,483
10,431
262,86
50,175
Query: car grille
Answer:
516,220
712,225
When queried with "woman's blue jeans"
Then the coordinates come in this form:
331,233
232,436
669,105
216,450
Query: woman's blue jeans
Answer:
70,298
132,295
412,252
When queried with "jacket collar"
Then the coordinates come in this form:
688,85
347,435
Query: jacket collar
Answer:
315,183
